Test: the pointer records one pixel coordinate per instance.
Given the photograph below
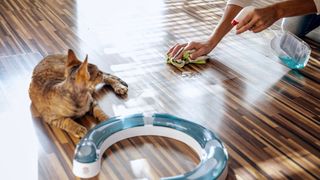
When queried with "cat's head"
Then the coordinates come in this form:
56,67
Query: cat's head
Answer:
81,74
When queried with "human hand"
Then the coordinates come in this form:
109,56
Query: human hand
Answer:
258,20
200,48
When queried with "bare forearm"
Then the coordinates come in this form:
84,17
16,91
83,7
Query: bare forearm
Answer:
224,26
294,8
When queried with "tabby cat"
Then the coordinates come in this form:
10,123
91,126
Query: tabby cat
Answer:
62,87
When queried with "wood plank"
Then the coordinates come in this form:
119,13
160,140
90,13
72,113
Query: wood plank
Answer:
267,115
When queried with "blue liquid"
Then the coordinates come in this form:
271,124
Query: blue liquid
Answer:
291,62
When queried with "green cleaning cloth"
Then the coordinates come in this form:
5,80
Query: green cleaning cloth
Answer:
186,60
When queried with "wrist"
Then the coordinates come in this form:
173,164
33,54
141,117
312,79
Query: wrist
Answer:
280,11
220,31
212,42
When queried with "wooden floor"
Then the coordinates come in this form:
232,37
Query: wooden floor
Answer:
267,115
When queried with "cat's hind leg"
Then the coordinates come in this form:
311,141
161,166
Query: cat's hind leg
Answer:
98,113
70,126
119,86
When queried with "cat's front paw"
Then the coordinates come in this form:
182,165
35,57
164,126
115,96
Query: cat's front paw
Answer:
102,117
120,89
80,132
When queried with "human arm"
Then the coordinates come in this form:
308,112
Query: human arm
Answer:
262,18
202,48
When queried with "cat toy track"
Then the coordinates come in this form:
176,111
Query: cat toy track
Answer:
212,153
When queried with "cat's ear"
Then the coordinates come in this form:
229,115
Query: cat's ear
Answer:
83,73
72,59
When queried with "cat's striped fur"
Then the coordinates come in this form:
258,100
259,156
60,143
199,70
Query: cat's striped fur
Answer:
62,87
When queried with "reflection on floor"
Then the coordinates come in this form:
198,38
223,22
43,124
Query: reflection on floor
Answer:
267,114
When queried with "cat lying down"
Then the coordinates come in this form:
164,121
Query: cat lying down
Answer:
62,87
